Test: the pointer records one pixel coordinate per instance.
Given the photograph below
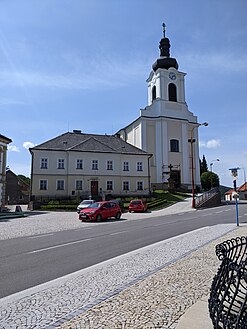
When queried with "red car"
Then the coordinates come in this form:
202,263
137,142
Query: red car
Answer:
100,210
137,205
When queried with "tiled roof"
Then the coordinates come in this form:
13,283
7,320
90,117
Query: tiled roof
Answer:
74,141
242,188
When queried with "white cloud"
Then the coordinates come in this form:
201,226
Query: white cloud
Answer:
13,148
211,144
27,145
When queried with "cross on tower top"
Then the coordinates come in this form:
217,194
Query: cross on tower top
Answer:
164,29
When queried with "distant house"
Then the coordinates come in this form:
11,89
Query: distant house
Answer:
81,165
17,191
241,190
4,141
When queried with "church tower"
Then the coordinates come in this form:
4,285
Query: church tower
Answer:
165,125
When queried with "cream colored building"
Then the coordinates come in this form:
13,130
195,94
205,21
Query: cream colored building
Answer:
165,125
4,141
87,165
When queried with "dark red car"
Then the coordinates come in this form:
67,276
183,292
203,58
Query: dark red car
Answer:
137,205
100,210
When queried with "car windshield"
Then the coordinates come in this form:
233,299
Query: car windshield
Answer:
86,202
95,205
135,202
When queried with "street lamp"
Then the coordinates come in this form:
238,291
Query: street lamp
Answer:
191,141
211,164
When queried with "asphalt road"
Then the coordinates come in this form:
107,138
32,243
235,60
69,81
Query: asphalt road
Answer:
29,261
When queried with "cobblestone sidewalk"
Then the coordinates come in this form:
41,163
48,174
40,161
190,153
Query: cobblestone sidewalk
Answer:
147,288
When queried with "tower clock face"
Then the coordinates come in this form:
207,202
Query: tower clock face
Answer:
172,76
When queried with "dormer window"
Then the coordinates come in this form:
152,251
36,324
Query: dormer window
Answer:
172,92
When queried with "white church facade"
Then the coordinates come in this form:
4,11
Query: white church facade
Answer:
165,127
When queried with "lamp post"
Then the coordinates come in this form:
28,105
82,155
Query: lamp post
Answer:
211,164
191,141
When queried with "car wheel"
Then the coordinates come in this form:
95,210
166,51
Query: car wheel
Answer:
98,218
118,215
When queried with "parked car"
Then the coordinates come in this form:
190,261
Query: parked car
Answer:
84,204
100,210
137,205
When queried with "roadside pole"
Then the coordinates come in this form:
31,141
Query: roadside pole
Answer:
234,172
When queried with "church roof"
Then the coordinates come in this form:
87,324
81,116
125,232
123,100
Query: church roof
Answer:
77,141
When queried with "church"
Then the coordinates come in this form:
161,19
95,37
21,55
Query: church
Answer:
166,128
157,150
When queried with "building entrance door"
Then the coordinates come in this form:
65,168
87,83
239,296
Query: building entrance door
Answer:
94,188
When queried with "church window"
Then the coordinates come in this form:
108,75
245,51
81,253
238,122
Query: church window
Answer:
174,145
172,91
154,93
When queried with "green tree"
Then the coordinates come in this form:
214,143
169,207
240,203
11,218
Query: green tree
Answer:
209,180
203,165
24,179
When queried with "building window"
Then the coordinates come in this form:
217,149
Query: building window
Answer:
139,186
60,164
44,163
126,166
78,185
172,91
139,166
43,184
126,186
94,164
154,93
79,164
109,165
109,185
60,185
174,145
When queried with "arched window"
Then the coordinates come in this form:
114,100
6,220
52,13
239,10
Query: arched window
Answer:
174,145
154,92
172,91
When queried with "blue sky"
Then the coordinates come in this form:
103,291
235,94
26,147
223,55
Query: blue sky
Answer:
83,64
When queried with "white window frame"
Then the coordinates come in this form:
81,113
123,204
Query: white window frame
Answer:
60,163
109,189
139,182
43,163
139,166
95,165
43,180
109,165
126,166
76,186
57,183
128,183
79,164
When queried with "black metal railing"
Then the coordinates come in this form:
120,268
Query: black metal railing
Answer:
228,296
